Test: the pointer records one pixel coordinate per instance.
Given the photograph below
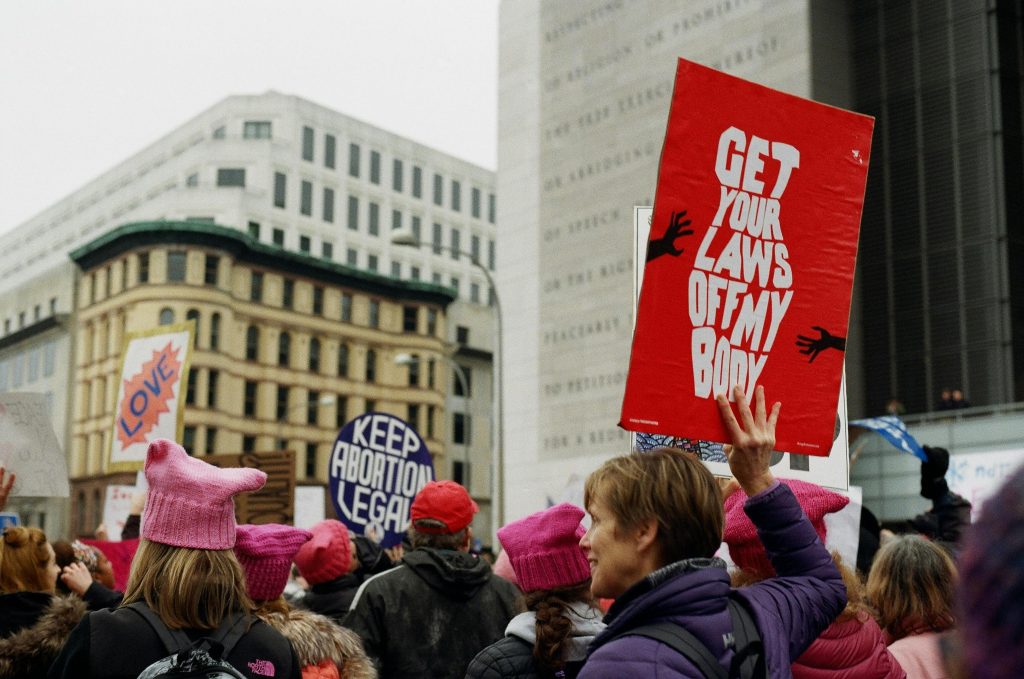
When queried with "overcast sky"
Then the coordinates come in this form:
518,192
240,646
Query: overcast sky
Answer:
87,83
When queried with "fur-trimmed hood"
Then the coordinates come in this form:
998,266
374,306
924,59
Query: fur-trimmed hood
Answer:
316,638
30,651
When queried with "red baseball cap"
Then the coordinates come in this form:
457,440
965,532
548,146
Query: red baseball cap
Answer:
444,501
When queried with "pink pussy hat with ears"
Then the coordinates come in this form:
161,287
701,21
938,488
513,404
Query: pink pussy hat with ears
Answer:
266,554
191,503
544,548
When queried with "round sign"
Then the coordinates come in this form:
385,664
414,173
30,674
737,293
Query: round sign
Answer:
378,465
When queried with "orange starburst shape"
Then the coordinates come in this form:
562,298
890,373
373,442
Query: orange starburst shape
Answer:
146,395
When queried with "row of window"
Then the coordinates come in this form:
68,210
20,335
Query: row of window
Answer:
37,315
26,367
398,175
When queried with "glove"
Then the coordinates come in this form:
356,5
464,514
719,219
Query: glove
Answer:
933,473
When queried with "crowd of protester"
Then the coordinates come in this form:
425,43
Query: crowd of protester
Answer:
643,591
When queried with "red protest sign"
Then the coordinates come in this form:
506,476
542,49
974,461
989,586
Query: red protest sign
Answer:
750,263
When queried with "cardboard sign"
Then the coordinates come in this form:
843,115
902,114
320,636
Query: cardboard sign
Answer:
275,501
378,465
832,471
116,506
749,268
150,403
29,448
977,476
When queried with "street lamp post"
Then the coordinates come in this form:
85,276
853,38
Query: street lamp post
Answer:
407,238
460,375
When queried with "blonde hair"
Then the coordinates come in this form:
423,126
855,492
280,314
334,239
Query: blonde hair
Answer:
911,586
188,588
668,485
23,561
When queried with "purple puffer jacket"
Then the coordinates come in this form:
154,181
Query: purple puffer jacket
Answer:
790,610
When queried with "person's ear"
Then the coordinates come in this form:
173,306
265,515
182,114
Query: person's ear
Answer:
646,536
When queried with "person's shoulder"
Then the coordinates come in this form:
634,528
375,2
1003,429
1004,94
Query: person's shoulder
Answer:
507,658
629,655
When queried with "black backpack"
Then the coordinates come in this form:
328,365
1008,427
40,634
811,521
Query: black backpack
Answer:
205,657
748,658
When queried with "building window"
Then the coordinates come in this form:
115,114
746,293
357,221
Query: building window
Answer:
460,472
346,307
256,286
490,208
474,247
53,300
143,267
210,270
277,237
396,175
328,206
438,189
455,284
456,196
288,293
314,355
414,273
462,334
437,238
327,249
192,180
412,415
396,269
475,202
474,293
219,132
284,349
371,263
248,444
306,199
417,181
374,167
305,244
352,257
431,415
249,404
188,442
432,322
49,358
231,176
340,412
353,160
456,248
212,377
370,406
396,219
254,230
252,343
416,228
353,213
176,261
371,365
190,387
318,300
310,467
460,428
193,315
374,227
374,314
166,316
282,403
211,440
312,405
410,318
214,332
307,143
256,129
280,187
343,360
467,372
329,150
490,255
414,371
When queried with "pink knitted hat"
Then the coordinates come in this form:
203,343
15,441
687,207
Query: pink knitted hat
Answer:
745,547
190,502
544,548
327,555
266,553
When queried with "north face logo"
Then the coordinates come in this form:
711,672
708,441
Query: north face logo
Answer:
264,668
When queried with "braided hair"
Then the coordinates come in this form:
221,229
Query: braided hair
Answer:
554,627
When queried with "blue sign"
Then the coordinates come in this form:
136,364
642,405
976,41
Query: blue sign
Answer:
378,465
8,519
895,432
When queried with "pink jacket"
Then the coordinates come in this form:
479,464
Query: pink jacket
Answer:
853,649
920,656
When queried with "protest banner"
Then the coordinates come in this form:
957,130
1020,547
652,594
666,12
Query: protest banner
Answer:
309,506
149,406
378,465
29,447
976,476
116,506
832,471
749,268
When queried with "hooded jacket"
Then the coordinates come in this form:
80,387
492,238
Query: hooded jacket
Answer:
850,649
316,639
33,628
334,597
430,616
512,657
790,610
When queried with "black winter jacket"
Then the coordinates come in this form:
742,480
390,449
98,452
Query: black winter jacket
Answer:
431,615
33,628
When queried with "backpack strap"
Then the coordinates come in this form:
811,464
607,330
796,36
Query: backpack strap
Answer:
685,643
230,632
748,661
173,640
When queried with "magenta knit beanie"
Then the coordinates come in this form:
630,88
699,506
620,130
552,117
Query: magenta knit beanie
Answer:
327,555
266,553
544,548
190,502
745,546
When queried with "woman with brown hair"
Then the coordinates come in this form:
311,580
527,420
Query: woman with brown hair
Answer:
551,638
911,586
185,573
34,622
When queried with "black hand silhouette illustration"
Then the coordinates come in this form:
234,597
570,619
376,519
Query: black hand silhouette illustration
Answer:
813,346
666,245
